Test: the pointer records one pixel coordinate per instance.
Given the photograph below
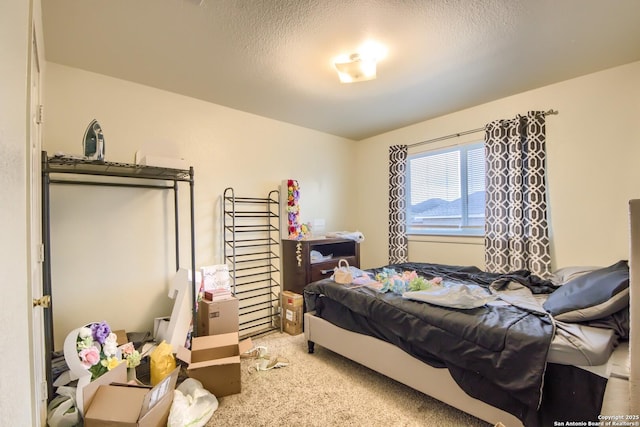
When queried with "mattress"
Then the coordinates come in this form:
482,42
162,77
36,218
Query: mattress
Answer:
581,345
577,344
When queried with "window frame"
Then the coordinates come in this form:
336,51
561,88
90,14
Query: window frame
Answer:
464,230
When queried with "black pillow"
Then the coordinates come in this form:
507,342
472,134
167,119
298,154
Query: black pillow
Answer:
591,296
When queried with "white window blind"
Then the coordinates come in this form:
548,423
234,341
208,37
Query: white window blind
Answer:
446,191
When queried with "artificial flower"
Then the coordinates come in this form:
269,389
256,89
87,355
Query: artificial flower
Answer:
398,283
97,349
110,346
130,354
100,331
296,229
305,228
85,338
110,362
85,332
89,357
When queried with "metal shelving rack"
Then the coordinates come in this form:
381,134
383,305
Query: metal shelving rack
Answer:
111,174
252,249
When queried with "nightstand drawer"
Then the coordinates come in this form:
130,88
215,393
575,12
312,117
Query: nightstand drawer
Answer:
324,270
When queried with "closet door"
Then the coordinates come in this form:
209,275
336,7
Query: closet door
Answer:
41,359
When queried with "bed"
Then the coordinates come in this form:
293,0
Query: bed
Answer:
506,360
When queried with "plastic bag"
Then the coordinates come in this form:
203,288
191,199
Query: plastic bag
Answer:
342,273
62,411
216,277
162,362
192,405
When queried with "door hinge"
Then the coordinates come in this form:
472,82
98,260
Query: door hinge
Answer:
44,301
44,391
41,252
40,114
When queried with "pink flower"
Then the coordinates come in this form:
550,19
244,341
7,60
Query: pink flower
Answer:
127,348
89,357
409,275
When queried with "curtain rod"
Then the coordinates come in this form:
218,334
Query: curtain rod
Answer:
467,132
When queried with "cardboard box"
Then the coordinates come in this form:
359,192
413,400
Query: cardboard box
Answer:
121,337
218,317
127,405
164,162
84,397
214,360
292,311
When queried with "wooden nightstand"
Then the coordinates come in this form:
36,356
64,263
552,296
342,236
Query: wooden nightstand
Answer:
297,268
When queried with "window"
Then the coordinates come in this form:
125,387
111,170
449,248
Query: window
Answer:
445,191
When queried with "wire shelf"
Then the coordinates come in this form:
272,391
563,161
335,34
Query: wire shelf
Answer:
252,249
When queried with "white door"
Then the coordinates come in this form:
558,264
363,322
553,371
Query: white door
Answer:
39,386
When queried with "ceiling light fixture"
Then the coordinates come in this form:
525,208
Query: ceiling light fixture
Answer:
360,67
356,69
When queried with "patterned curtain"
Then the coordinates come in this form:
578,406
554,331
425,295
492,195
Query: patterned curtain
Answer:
398,242
516,227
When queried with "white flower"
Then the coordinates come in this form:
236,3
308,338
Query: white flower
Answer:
110,346
85,333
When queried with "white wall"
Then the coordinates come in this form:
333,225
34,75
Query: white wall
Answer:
15,310
593,151
112,249
593,148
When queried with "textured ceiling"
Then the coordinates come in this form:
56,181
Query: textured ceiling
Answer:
274,58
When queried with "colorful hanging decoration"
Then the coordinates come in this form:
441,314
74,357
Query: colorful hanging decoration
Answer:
297,230
293,209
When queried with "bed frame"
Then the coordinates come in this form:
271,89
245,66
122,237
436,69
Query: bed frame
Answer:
395,363
622,395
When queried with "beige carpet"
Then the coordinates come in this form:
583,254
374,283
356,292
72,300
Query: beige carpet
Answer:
326,389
